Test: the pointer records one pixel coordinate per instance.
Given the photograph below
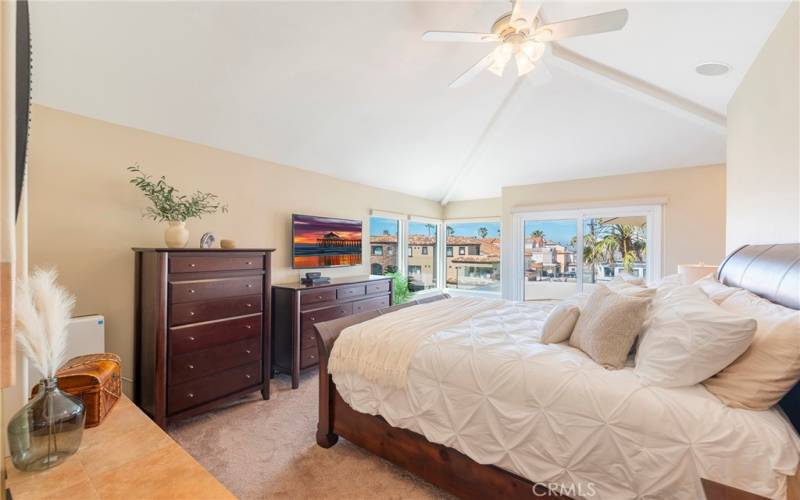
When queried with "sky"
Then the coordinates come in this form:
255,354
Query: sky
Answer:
560,231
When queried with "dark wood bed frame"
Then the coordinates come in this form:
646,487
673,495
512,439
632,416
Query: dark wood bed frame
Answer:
771,271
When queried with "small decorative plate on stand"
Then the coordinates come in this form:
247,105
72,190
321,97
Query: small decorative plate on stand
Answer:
207,240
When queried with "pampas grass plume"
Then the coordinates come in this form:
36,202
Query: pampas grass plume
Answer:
42,312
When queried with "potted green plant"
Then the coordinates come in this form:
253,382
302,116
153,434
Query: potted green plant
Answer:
169,206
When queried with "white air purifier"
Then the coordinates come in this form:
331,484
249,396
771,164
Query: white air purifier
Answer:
85,335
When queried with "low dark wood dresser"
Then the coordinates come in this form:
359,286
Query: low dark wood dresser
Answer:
202,325
297,307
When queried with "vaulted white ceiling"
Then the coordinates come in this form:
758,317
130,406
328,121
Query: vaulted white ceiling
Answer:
349,89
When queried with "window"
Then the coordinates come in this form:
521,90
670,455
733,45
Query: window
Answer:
423,268
383,234
563,252
614,246
477,265
410,251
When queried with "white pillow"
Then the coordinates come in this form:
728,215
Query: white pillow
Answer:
715,290
689,339
560,322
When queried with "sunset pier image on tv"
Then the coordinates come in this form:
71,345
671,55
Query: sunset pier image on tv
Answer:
325,242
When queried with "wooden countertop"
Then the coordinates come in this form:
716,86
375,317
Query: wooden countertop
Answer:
127,456
345,280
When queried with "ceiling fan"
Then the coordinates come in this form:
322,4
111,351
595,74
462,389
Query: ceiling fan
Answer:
521,34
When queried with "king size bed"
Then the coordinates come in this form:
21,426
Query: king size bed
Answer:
481,408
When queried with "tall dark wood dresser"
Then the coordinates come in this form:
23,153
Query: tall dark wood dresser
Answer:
202,326
297,307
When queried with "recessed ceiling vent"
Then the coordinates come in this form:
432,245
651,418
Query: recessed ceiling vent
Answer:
712,69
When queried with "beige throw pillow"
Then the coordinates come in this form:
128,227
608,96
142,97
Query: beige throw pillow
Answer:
770,367
560,322
630,288
608,326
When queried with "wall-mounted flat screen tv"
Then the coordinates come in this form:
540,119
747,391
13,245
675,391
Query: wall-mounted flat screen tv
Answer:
325,242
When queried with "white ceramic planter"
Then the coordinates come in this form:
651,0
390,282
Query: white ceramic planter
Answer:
176,235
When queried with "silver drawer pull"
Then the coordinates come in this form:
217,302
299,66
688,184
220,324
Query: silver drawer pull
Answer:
192,338
190,395
247,376
247,351
248,305
319,297
191,291
248,326
191,367
249,285
313,318
249,263
191,265
191,313
311,337
312,356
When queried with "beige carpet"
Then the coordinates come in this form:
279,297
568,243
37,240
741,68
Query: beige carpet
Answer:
261,449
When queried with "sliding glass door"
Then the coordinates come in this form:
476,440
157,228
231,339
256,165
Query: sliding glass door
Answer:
549,259
558,253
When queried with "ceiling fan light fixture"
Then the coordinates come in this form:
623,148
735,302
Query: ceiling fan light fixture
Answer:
500,57
524,63
533,50
543,35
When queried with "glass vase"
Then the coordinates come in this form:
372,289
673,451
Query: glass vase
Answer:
47,430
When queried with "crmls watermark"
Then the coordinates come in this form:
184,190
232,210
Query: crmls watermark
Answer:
578,490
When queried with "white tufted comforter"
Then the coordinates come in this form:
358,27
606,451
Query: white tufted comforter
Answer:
489,389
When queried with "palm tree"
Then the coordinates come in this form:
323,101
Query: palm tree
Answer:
538,236
610,241
483,232
450,231
386,232
430,228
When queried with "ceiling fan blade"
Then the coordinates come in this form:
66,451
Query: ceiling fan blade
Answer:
524,13
473,71
599,23
459,36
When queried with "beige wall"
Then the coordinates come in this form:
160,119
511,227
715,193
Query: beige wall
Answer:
694,216
489,207
764,143
85,216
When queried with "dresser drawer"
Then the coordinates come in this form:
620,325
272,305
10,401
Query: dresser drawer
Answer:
213,289
196,264
317,296
309,318
195,312
309,357
347,292
183,396
378,287
198,364
308,338
370,304
185,339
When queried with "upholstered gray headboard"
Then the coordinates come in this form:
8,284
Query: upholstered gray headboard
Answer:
772,272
